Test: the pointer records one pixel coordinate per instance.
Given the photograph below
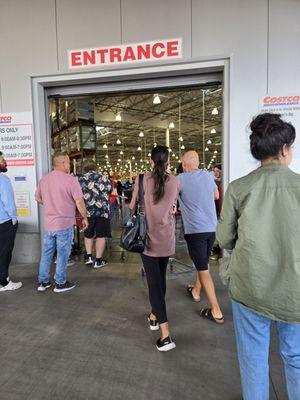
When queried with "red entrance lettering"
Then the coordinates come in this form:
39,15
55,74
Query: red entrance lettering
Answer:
172,49
143,51
76,59
89,57
155,47
101,53
115,55
129,54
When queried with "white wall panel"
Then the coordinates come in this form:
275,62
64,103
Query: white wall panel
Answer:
237,28
284,48
28,47
156,19
83,24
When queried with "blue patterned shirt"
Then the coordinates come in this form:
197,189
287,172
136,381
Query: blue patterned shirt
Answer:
96,191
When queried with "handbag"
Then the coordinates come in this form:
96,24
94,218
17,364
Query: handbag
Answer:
133,237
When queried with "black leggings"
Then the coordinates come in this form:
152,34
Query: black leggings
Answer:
7,240
155,269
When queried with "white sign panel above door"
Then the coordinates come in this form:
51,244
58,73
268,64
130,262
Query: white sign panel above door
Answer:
167,49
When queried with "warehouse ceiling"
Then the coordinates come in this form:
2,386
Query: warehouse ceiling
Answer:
186,109
129,124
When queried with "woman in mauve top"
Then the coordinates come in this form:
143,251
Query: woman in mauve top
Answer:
160,196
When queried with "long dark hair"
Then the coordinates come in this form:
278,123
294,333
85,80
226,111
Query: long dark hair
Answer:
160,156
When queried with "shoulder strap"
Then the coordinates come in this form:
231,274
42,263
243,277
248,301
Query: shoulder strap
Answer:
141,203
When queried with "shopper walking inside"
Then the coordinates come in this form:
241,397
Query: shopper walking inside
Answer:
96,190
260,222
160,197
8,228
60,194
198,192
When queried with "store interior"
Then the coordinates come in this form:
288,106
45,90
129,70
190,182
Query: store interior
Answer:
118,131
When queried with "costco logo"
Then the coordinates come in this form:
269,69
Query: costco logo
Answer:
281,101
5,119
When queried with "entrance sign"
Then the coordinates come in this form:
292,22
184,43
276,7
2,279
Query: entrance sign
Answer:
128,53
17,146
289,108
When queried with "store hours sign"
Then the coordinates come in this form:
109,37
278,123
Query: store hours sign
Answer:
16,139
17,146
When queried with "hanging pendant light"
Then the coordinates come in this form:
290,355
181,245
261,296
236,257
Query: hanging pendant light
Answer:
105,146
156,99
206,149
139,148
215,111
141,134
171,125
182,147
121,153
118,141
180,139
213,130
118,117
209,141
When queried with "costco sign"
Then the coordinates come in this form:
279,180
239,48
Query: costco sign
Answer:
127,53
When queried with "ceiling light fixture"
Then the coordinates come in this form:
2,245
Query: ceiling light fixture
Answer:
141,134
154,144
106,155
156,99
133,158
121,153
173,155
180,139
139,148
182,147
206,149
215,111
149,154
209,141
171,125
118,141
118,117
213,130
216,152
105,146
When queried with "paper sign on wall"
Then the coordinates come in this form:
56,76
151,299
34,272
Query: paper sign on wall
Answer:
17,146
22,200
289,108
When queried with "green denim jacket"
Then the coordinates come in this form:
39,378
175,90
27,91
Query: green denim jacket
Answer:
260,223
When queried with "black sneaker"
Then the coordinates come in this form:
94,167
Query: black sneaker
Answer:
43,286
64,287
100,264
88,259
153,324
166,344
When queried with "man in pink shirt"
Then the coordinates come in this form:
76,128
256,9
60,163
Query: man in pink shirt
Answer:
60,194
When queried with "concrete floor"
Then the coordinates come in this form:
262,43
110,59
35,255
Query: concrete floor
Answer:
94,342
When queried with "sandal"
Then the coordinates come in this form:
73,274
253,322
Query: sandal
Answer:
189,289
206,313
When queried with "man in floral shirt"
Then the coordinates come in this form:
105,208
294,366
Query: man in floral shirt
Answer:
96,190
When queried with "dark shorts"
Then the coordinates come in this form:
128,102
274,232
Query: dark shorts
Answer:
199,246
99,227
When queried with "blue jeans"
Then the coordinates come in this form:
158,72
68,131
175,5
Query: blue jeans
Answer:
62,242
252,333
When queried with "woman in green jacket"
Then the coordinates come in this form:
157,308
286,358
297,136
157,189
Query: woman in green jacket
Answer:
260,226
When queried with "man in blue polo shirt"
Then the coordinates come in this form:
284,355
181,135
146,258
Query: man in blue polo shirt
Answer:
197,194
8,228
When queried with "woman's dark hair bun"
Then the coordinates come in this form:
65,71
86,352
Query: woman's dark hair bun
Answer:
269,134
